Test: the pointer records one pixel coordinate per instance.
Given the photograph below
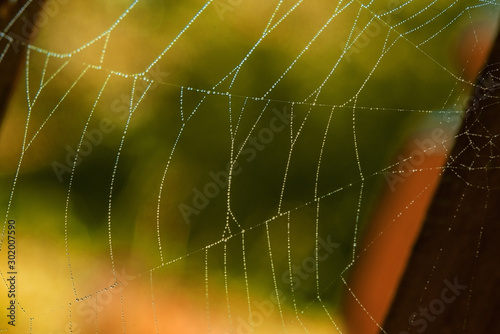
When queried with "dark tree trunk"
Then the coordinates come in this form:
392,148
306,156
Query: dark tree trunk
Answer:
452,281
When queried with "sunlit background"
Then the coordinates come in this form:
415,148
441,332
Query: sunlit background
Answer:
173,166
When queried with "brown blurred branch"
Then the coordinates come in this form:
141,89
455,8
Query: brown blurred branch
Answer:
14,44
451,283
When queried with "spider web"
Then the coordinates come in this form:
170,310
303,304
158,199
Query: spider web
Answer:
211,167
